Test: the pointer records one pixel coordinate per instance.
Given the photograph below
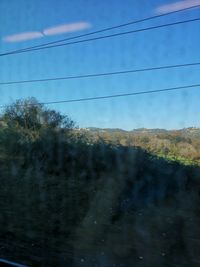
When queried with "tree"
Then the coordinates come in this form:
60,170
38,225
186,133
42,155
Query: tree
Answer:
26,123
30,114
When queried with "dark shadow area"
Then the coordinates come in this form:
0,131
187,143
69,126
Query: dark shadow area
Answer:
68,202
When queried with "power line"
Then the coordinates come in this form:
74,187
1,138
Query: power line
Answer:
102,37
113,96
101,74
108,29
122,95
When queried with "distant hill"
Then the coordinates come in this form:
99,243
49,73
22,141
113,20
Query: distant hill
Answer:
185,131
94,129
179,145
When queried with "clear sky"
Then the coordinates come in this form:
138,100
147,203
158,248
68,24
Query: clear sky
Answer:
26,22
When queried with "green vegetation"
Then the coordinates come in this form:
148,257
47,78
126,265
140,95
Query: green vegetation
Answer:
175,145
70,197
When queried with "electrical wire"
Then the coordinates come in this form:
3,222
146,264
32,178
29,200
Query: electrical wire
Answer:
112,96
101,74
101,37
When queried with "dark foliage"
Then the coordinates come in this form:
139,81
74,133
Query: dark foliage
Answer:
67,201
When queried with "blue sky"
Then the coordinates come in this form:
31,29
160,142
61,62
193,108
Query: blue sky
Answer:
46,19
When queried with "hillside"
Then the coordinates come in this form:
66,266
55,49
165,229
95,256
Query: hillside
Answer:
67,200
180,145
